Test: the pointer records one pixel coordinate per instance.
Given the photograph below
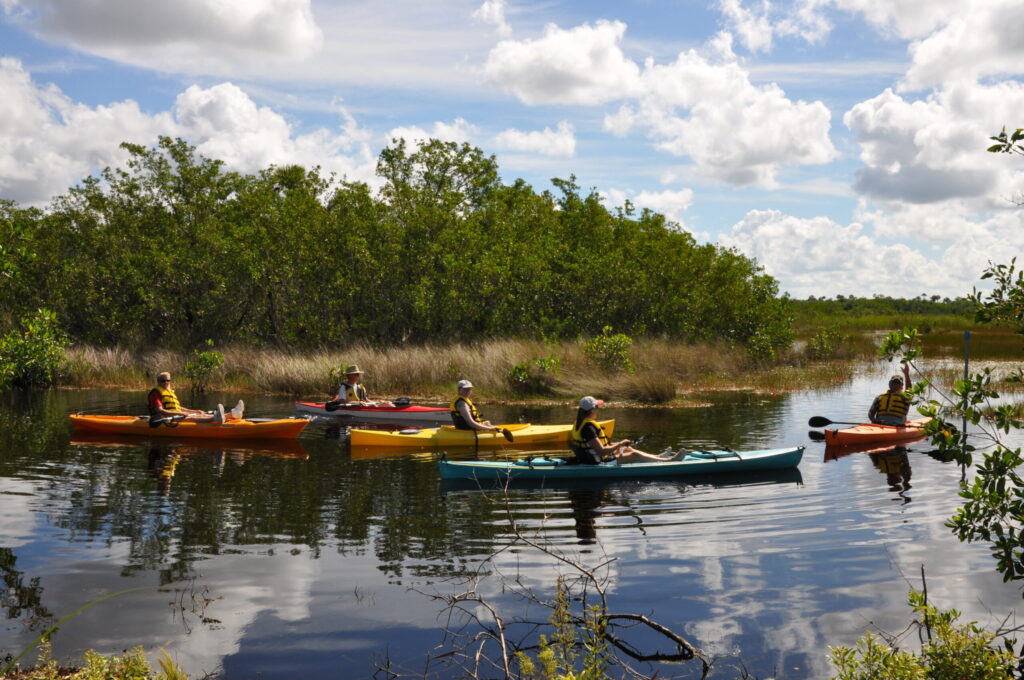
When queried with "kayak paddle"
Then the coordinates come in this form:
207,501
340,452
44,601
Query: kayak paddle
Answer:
507,434
169,421
334,405
821,421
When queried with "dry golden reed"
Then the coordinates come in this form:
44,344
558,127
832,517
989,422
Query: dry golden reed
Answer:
664,371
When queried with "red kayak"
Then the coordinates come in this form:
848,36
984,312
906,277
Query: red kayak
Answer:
385,414
870,433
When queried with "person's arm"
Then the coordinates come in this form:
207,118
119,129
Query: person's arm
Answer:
468,417
906,376
873,411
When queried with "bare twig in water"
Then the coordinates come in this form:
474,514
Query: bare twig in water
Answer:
480,641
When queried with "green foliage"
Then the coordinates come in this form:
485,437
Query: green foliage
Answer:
558,657
1006,301
827,343
610,352
950,651
1008,143
172,249
993,509
33,357
535,376
132,665
202,365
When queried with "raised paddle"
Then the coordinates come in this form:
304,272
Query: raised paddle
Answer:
821,421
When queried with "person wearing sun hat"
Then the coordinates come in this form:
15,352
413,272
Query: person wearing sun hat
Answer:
353,392
589,443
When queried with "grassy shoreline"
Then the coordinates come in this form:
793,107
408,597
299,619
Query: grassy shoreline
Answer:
665,372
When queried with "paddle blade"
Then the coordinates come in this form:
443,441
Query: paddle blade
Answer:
818,421
332,405
816,436
507,434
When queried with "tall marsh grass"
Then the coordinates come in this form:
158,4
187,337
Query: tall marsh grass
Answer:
664,371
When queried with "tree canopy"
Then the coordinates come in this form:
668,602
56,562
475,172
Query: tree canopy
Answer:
173,249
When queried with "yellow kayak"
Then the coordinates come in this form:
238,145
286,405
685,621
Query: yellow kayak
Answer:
522,434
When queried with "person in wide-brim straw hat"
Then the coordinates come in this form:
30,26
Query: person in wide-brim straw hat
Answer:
353,392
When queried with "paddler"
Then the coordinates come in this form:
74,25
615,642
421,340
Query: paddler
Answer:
890,407
464,414
164,403
353,392
590,444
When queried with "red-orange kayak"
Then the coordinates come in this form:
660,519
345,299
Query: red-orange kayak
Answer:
284,428
869,433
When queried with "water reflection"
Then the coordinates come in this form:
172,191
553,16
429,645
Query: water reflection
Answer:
891,461
313,550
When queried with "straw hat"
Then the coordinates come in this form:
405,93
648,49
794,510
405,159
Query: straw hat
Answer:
353,370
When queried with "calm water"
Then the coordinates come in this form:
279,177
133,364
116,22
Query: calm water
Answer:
304,561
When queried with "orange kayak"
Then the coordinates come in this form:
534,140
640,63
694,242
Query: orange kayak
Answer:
870,433
285,428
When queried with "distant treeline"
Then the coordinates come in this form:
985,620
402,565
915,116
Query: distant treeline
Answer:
881,312
173,249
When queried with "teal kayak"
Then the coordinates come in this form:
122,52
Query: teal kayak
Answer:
692,463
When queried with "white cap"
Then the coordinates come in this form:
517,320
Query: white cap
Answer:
589,403
465,385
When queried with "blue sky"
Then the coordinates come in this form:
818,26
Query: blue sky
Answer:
841,143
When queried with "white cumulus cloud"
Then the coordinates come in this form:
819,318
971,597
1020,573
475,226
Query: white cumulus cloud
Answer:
933,150
818,256
580,66
459,130
197,36
703,105
493,12
984,41
671,203
49,142
558,143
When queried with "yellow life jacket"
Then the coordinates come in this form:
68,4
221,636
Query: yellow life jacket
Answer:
576,436
893,404
168,397
355,392
457,420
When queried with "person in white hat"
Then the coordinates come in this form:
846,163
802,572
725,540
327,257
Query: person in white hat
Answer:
590,444
464,413
352,392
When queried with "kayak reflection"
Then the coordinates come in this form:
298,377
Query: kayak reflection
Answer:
891,461
784,476
163,454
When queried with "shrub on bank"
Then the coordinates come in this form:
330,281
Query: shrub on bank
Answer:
34,356
950,650
610,351
535,376
132,665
